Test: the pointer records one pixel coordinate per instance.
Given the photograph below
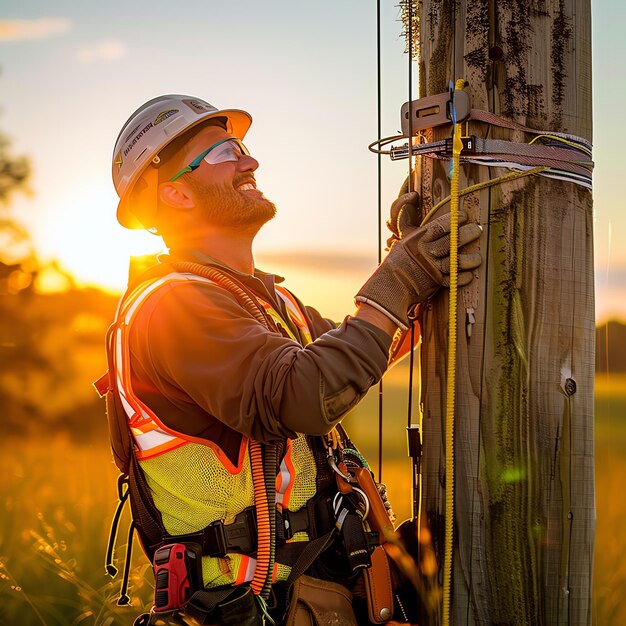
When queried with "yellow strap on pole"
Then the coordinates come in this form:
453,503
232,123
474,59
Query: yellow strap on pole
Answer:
457,147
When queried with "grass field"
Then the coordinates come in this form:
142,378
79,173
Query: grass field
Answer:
58,500
610,550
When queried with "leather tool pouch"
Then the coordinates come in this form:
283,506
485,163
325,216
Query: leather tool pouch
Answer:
316,602
236,606
379,588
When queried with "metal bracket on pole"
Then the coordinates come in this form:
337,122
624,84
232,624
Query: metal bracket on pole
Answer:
434,111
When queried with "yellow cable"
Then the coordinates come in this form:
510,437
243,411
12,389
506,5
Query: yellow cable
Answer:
457,147
562,140
478,186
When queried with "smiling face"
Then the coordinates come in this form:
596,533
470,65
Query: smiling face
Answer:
225,194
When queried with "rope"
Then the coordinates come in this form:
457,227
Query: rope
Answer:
243,295
457,146
454,199
264,550
557,159
263,495
478,186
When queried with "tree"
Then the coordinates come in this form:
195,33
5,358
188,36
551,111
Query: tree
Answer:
16,254
50,344
14,172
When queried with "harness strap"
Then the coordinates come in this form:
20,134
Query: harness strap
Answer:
311,551
218,538
124,598
203,602
122,494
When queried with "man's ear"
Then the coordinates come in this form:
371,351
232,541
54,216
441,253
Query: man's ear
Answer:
176,194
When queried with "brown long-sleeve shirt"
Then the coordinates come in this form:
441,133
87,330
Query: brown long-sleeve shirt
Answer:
207,368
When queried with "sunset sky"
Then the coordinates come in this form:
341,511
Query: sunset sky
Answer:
72,72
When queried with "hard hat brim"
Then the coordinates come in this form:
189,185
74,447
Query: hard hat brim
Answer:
237,124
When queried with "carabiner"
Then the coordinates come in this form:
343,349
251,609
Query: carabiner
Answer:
333,464
364,499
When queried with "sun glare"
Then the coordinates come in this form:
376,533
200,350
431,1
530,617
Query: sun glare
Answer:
108,269
90,245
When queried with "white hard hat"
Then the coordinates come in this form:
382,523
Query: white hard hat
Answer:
148,130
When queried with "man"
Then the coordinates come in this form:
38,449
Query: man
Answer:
231,389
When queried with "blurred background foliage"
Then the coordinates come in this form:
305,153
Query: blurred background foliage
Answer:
51,335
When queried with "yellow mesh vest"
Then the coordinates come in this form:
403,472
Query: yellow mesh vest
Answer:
192,487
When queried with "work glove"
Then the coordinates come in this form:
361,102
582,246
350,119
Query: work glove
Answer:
404,215
417,265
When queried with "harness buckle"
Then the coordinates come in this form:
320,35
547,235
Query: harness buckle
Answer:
469,145
295,522
238,536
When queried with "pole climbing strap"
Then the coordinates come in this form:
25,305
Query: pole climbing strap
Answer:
563,156
564,160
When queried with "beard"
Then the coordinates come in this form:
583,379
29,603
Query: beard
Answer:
225,207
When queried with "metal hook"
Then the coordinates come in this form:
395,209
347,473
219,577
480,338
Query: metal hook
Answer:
333,465
364,499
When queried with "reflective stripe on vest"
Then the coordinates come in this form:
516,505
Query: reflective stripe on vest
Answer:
285,477
151,436
295,314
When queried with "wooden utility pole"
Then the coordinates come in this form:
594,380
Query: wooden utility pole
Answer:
524,514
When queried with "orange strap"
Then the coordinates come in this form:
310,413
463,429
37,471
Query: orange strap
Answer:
264,541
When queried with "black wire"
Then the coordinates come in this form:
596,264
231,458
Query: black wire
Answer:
410,183
570,409
410,36
380,232
414,460
379,128
411,360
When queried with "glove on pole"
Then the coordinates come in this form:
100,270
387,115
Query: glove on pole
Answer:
404,215
417,265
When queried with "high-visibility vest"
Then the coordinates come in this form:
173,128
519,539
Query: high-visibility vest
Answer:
192,481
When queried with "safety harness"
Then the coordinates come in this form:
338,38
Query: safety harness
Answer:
261,535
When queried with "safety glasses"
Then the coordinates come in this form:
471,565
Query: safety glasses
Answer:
230,149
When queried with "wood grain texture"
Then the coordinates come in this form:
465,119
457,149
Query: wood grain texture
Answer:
525,517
